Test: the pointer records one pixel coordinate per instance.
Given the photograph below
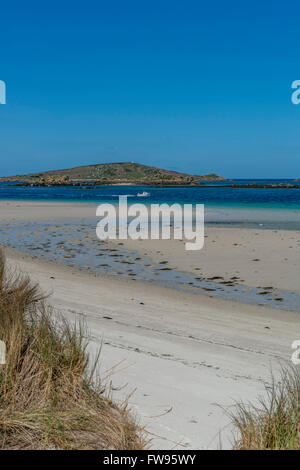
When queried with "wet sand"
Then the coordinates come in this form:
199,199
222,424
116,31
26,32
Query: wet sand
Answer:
256,266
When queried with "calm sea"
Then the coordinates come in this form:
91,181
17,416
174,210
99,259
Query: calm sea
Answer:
265,208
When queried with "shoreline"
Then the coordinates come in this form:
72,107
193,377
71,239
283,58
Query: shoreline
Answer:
241,264
234,206
215,287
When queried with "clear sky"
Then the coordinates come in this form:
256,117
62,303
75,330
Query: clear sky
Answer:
189,85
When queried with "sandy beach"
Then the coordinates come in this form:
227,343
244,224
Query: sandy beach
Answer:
187,356
254,257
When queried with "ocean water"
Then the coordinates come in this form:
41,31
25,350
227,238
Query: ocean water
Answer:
211,194
277,208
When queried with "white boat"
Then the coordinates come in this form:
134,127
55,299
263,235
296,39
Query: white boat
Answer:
143,194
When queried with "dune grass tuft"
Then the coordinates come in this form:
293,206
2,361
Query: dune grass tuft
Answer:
274,423
48,399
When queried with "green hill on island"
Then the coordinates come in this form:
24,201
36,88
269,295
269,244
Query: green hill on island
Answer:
111,173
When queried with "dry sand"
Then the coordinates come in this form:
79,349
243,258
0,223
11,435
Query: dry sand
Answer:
184,354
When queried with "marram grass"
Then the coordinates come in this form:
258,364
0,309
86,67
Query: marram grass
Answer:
48,400
273,424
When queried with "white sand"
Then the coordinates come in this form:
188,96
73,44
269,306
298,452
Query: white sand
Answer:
182,352
258,257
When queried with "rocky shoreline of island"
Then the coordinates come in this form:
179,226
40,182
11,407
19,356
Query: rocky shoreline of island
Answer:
89,184
257,186
162,183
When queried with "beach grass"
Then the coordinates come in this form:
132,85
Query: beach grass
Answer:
273,424
49,397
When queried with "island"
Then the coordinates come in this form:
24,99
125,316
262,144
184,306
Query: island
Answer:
122,173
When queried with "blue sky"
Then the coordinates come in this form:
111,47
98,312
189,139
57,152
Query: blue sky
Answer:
186,85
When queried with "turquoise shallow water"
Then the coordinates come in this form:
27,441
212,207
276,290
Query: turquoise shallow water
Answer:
266,208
